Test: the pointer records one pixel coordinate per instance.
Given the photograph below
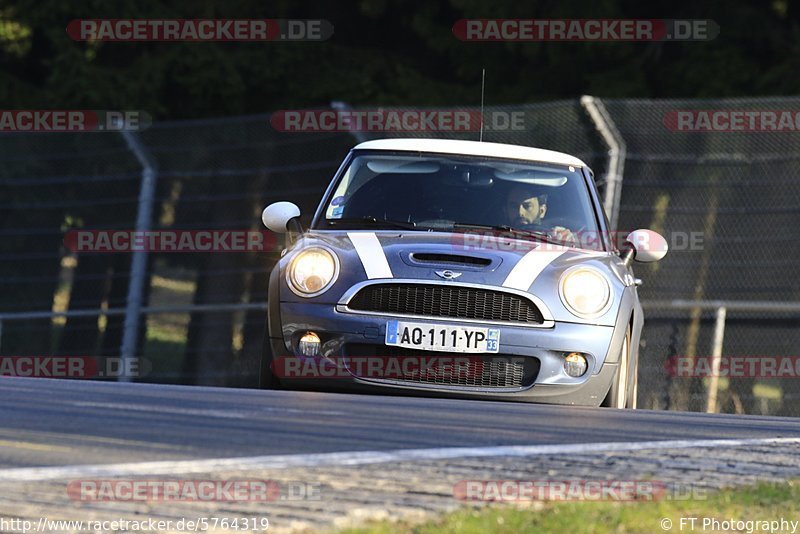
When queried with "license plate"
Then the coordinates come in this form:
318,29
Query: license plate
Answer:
436,337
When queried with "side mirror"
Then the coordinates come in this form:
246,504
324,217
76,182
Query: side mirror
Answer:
279,216
644,246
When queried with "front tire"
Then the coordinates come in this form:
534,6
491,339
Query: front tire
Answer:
624,387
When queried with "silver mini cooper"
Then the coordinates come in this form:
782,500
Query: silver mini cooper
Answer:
458,268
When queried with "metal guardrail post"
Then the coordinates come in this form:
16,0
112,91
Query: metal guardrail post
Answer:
133,303
617,151
716,360
338,105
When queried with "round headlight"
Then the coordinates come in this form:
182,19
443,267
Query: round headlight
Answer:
585,292
312,271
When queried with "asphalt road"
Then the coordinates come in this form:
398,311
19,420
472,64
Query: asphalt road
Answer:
64,422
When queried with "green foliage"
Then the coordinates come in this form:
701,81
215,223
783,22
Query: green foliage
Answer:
385,52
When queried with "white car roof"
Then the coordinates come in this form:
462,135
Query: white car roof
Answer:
472,148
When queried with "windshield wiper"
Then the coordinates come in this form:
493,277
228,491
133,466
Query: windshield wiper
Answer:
541,236
370,219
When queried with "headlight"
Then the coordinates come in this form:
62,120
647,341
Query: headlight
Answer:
585,292
312,271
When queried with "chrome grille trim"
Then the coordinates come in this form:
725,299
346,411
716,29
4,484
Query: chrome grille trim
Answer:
343,304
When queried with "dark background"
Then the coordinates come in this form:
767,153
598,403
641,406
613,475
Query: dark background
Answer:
387,53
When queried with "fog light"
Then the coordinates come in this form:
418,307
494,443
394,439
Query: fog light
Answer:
309,344
575,364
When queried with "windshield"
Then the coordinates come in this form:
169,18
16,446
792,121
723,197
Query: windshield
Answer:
461,193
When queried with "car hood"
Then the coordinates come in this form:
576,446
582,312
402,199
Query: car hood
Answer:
523,265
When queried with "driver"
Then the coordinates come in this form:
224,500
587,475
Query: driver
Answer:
527,206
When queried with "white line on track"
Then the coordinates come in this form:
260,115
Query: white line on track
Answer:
225,414
30,474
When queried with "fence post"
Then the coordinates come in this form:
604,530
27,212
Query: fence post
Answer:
339,105
716,360
133,303
617,151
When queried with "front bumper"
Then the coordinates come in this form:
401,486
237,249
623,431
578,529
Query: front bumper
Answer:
547,345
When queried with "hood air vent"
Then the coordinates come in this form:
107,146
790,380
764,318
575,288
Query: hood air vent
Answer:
450,259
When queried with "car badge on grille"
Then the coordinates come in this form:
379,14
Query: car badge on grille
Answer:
448,274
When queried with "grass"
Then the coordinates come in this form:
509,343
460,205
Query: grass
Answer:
763,502
167,332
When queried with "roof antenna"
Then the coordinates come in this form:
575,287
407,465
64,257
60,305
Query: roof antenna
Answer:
483,85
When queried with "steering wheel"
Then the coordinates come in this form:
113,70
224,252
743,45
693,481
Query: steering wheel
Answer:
563,222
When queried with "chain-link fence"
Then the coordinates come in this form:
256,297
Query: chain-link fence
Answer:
212,174
203,319
738,190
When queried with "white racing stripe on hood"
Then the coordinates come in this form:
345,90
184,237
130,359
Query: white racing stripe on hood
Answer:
370,252
531,265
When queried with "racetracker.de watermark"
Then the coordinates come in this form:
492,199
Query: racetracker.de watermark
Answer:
72,120
126,30
474,240
399,120
82,367
192,490
574,490
379,367
733,366
536,30
110,241
738,120
141,524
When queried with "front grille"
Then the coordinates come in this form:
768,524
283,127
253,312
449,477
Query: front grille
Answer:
470,370
429,300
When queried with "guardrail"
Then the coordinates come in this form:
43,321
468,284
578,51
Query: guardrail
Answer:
235,306
720,307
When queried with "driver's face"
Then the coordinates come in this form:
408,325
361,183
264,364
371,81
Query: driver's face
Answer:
523,209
